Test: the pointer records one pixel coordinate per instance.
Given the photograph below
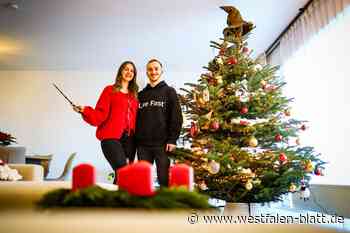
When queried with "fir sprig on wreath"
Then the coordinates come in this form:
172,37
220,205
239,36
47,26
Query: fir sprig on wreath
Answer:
165,198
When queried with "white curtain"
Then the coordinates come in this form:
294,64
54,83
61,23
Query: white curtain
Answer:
318,76
318,14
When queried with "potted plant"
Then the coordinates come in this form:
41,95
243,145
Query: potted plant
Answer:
6,139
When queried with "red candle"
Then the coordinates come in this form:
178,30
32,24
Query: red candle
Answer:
84,176
136,178
181,175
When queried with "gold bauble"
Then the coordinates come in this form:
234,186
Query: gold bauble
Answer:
249,185
219,79
258,67
308,166
202,141
220,61
206,95
200,101
213,167
197,151
202,185
253,142
246,171
263,83
195,148
292,188
206,126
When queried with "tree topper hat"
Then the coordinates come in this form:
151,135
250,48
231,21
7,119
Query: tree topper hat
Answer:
235,20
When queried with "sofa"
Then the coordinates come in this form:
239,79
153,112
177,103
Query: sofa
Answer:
29,172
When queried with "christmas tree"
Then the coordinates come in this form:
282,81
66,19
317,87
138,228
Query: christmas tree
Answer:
244,144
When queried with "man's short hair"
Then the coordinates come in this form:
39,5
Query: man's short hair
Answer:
154,60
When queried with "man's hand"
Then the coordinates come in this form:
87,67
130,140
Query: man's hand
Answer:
170,147
78,109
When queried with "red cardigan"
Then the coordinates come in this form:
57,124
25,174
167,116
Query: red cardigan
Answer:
114,113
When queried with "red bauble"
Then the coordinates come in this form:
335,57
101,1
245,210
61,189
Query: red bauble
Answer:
215,125
242,122
283,157
2,162
318,171
232,61
278,138
222,52
245,50
194,129
303,127
287,113
269,87
244,110
212,81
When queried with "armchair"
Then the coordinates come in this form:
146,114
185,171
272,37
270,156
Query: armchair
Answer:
29,172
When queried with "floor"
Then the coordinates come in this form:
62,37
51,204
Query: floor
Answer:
312,216
275,213
86,220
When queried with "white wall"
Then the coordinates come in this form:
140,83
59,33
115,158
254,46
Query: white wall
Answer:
43,122
318,77
324,101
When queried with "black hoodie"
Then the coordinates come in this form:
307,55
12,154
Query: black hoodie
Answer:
159,118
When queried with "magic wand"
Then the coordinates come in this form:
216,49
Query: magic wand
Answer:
71,103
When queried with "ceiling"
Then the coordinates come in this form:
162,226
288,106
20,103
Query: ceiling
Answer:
88,35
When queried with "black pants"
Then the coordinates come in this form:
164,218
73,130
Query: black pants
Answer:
117,151
159,155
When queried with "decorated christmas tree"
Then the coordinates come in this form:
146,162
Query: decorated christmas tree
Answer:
243,142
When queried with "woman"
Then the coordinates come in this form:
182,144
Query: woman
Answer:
114,116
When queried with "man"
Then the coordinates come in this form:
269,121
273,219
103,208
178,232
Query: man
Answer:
159,121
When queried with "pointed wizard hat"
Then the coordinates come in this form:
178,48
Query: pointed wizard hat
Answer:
234,19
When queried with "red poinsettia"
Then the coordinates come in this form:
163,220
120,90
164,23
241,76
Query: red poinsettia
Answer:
6,139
